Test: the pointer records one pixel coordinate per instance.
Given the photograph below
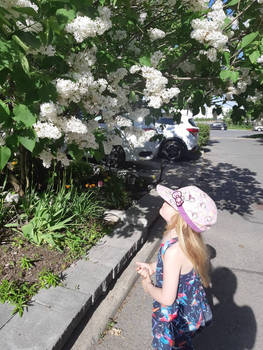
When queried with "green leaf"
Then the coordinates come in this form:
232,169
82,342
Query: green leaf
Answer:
254,56
145,61
27,142
12,224
248,39
23,115
66,15
26,10
228,74
28,230
227,57
5,154
232,3
4,112
17,40
24,63
29,39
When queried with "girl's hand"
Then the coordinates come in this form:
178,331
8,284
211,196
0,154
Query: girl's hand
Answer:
150,267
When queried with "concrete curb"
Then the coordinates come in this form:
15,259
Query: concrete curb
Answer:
54,314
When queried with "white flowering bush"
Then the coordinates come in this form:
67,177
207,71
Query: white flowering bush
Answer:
64,63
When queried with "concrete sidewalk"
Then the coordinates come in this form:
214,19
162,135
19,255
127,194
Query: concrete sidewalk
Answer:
235,244
55,313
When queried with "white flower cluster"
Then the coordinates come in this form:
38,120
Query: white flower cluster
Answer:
209,30
241,85
155,34
260,1
83,27
138,137
31,26
260,59
196,5
12,197
47,130
8,4
123,122
210,53
46,157
52,125
142,17
112,140
156,57
155,92
82,61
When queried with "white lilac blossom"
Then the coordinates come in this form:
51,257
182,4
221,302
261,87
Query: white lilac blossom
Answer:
46,157
30,26
156,92
123,122
8,4
260,59
62,157
138,137
12,197
142,17
209,30
83,27
210,53
66,89
82,61
134,69
75,125
48,111
47,130
156,57
155,34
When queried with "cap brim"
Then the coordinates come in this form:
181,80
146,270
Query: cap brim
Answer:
167,194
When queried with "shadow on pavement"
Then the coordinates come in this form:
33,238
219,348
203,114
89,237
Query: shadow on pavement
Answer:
234,327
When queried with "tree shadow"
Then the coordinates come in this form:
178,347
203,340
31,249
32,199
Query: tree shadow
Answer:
233,188
233,327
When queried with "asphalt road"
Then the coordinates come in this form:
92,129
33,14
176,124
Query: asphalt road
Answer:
231,171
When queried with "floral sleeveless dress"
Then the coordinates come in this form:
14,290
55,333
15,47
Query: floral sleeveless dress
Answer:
173,327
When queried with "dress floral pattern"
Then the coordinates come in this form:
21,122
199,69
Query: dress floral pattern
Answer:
174,326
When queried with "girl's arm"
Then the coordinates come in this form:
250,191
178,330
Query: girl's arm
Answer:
171,272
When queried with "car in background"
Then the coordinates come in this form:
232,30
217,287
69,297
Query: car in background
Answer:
258,128
168,140
218,126
178,139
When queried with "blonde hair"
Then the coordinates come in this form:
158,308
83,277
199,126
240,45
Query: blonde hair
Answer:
192,245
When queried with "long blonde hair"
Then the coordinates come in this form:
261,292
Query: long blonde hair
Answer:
192,245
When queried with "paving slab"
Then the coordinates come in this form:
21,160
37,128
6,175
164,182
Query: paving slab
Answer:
5,314
46,321
88,277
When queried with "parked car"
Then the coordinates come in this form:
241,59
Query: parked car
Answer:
218,126
178,139
166,139
258,128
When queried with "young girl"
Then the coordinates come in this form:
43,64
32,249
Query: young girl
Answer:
180,307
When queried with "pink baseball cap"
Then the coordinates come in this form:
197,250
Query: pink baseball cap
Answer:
194,205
